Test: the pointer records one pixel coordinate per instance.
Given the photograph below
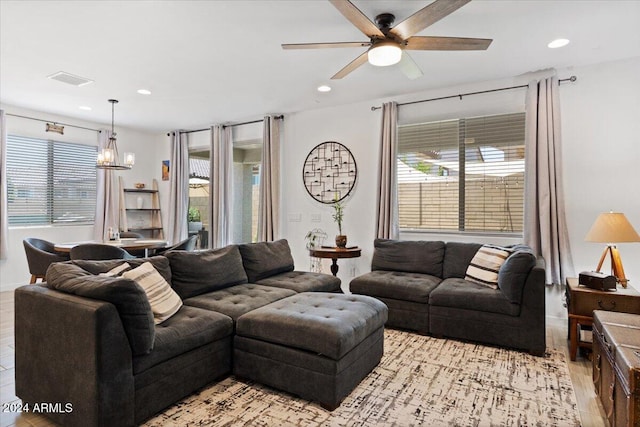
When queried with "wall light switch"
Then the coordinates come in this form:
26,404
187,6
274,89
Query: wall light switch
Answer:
295,217
316,217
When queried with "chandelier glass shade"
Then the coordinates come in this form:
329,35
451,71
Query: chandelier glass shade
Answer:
108,157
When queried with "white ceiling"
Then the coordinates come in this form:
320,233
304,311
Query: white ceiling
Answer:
217,61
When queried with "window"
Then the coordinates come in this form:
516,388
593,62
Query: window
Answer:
245,190
462,175
50,182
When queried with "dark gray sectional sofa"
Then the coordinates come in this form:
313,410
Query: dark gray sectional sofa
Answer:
91,341
422,283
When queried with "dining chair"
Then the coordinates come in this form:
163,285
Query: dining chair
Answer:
98,251
40,254
188,244
138,253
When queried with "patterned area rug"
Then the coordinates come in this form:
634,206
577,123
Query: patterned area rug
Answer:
420,381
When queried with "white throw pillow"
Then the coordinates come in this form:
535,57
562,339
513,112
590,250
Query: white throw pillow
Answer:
117,271
164,301
485,265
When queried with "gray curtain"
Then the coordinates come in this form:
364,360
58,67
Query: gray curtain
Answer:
178,188
107,201
220,186
4,219
269,210
545,228
387,200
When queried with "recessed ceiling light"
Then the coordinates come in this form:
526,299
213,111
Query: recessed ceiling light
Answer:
324,88
85,108
144,92
558,43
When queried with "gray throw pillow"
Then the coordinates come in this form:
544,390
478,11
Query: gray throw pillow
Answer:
514,272
195,273
265,259
129,299
160,263
457,256
411,256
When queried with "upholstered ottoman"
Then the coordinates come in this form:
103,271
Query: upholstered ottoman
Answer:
316,345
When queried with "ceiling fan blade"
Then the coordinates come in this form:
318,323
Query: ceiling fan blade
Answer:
446,43
426,16
351,66
357,18
324,45
409,67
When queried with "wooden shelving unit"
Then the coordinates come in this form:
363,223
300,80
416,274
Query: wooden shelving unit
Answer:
148,218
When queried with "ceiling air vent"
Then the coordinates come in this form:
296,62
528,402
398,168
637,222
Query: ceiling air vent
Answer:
64,77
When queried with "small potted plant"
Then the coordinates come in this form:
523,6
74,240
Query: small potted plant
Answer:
194,220
338,216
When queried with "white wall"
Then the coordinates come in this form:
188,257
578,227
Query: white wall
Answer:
601,149
14,270
600,133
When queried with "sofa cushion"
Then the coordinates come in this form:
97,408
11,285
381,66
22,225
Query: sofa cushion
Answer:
265,259
238,300
483,268
303,281
409,256
187,330
128,297
514,272
163,300
160,263
457,256
198,272
461,294
398,285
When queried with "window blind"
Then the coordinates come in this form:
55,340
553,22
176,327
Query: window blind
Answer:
50,182
462,175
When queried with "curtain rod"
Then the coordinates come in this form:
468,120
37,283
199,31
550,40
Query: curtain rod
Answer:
571,79
51,121
280,117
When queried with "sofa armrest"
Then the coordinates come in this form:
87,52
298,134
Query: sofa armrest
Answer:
533,309
73,350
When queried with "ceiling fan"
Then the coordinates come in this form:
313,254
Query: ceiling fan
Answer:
386,43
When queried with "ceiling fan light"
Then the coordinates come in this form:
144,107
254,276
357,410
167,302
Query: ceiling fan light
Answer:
384,54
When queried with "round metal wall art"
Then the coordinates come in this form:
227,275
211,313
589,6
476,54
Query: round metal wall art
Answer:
329,172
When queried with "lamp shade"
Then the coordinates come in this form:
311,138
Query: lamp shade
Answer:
612,227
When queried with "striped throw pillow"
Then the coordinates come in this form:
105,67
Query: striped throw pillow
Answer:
164,301
117,271
485,265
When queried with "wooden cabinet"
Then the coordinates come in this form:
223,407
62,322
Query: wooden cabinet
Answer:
582,301
616,366
140,210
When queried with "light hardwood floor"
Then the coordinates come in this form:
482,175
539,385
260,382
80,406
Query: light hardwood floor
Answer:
591,412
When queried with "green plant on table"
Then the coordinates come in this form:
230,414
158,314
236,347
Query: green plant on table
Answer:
338,214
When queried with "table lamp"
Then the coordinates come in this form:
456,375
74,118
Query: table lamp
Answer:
611,228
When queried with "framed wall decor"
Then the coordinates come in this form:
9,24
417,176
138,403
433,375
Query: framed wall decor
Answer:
165,170
329,172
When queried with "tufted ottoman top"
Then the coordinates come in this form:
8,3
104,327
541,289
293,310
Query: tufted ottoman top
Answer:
325,323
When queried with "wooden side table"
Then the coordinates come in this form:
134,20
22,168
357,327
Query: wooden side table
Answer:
581,301
335,254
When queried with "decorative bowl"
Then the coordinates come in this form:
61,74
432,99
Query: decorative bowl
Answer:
139,184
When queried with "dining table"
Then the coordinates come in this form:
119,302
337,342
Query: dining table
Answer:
124,243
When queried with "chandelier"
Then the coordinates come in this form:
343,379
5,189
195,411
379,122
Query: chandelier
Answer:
108,157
